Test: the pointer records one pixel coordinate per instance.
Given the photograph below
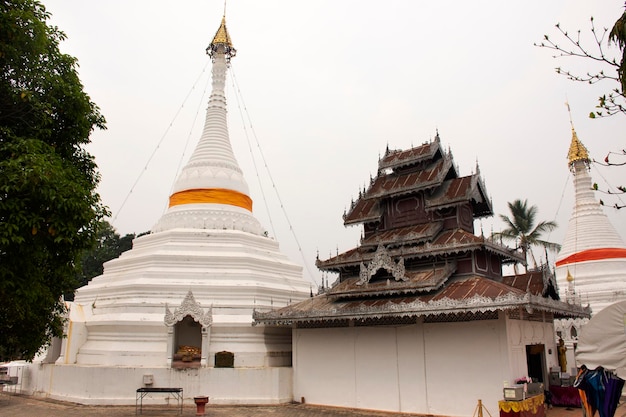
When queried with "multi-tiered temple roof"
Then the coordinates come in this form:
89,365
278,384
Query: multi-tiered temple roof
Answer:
419,255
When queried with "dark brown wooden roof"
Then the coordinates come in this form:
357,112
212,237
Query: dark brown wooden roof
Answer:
465,289
398,158
447,242
530,281
394,184
363,211
404,235
458,191
366,208
466,295
456,237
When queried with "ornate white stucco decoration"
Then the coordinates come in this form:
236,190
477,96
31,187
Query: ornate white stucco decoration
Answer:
569,329
196,217
189,307
382,260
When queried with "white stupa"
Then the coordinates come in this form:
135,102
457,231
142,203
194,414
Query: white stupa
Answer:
176,310
591,265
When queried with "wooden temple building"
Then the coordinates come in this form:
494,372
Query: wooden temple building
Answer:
421,319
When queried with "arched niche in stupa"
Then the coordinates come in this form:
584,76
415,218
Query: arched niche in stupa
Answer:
187,342
188,335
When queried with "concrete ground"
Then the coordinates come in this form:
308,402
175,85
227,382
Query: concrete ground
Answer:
12,405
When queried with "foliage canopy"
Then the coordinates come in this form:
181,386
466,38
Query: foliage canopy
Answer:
109,245
49,208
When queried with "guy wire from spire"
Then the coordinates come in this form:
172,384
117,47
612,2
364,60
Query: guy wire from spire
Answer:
239,96
256,168
181,160
154,151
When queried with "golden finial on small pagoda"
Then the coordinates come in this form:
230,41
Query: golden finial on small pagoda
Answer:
577,151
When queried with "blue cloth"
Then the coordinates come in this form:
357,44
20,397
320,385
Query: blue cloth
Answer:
602,391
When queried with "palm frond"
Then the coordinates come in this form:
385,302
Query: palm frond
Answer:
520,226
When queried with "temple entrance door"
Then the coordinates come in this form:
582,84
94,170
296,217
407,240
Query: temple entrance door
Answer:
536,360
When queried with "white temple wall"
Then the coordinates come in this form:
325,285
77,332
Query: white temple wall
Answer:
438,368
521,333
148,345
97,337
117,386
382,374
411,361
76,335
258,346
465,362
324,366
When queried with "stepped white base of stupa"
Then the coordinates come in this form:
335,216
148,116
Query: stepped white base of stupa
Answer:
177,308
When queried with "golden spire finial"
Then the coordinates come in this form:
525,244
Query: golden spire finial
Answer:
221,36
221,40
569,278
577,151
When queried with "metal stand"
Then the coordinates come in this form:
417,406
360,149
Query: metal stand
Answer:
142,392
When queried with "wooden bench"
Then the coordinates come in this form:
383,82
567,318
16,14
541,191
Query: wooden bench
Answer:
174,392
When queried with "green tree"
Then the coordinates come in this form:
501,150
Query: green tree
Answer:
109,245
49,208
521,227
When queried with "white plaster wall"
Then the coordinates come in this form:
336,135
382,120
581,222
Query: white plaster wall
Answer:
377,368
465,362
411,360
522,333
118,385
324,366
441,368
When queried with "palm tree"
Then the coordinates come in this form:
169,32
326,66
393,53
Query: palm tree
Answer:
522,230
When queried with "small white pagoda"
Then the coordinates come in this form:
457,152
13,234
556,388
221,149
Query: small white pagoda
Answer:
591,265
176,310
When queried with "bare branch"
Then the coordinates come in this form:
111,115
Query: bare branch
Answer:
608,104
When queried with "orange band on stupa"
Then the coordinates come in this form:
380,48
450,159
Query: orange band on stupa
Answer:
212,195
593,255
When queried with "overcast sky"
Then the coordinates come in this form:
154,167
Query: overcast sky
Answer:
322,87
